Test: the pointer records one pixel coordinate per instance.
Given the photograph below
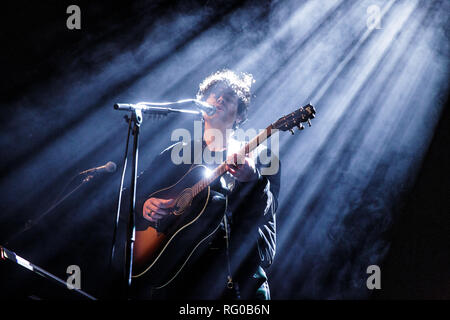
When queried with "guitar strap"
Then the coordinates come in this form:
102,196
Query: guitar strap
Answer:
230,283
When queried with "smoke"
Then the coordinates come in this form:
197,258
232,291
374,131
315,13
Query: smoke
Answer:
343,179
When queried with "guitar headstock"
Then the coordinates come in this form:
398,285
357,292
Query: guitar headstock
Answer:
295,119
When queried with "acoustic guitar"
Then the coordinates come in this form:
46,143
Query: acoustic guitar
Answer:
160,255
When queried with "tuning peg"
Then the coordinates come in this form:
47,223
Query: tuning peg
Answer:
292,131
309,122
300,126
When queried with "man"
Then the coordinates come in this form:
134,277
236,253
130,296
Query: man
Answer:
232,264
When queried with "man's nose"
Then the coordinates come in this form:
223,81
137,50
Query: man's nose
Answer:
220,100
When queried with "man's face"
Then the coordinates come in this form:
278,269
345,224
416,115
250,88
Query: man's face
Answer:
226,103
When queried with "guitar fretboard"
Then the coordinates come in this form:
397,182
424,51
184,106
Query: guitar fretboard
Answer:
220,170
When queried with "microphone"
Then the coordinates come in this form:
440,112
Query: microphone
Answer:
206,107
110,167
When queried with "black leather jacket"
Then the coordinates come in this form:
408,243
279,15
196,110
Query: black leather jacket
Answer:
252,228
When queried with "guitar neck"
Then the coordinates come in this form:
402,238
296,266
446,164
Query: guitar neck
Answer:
220,170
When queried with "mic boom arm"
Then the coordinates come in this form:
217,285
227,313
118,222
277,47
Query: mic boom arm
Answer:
167,107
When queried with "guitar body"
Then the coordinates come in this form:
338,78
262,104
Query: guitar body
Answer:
160,256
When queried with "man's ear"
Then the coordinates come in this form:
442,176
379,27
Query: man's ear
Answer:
239,119
236,123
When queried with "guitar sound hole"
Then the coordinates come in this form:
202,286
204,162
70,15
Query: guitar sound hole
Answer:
183,202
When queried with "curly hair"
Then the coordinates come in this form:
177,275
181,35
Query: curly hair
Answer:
240,84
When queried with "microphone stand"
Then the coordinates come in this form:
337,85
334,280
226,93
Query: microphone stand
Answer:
136,119
135,122
32,223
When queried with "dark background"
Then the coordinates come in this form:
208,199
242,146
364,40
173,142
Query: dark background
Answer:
38,50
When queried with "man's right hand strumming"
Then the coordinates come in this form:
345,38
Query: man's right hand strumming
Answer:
155,208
